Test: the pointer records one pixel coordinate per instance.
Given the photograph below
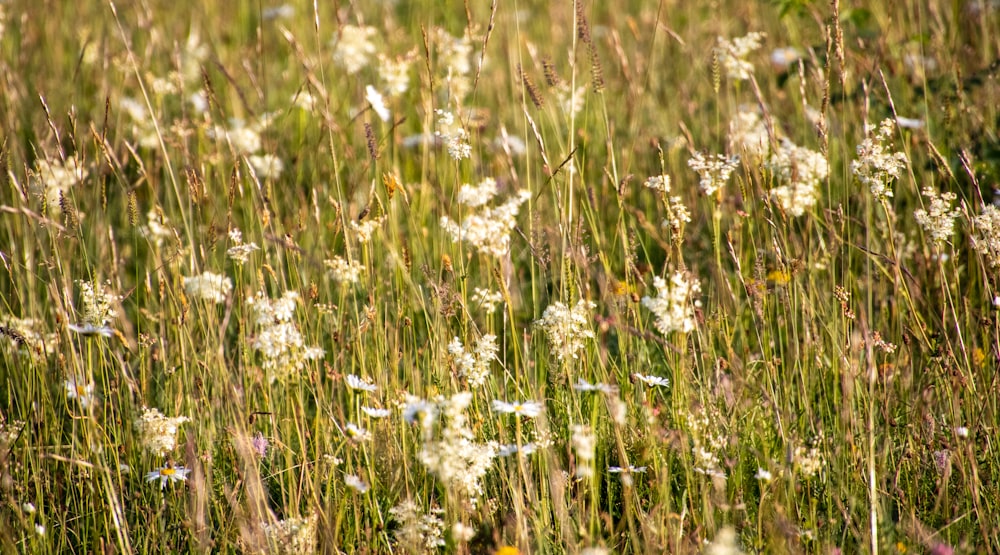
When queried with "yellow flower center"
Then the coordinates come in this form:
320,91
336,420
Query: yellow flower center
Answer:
168,472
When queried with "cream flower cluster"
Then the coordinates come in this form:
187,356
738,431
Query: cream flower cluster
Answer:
488,229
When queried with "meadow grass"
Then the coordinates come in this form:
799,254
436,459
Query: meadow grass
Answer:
536,277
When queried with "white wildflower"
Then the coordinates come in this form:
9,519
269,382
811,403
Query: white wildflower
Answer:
278,339
267,166
453,135
939,220
713,171
395,74
418,532
527,409
359,384
353,49
567,328
457,459
356,483
488,229
210,287
474,366
374,98
584,445
733,54
488,300
652,381
799,172
876,167
344,271
157,432
674,304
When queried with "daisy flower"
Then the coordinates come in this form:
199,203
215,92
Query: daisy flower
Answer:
356,483
356,433
168,473
82,391
652,381
90,330
584,385
528,409
626,469
356,383
376,413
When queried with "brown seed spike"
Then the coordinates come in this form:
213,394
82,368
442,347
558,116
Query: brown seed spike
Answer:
372,144
536,98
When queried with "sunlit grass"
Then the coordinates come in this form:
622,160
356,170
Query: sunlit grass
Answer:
533,277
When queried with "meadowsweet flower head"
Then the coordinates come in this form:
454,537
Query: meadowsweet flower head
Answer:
674,303
454,56
876,166
210,287
733,55
418,531
474,366
240,251
808,459
10,430
23,337
748,135
527,409
52,180
799,173
278,339
292,535
713,171
567,328
157,432
488,300
584,445
488,229
97,304
81,390
353,47
707,441
267,166
453,135
244,139
344,271
359,384
365,230
456,458
726,542
938,220
168,473
986,236
157,229
478,195
394,74
660,183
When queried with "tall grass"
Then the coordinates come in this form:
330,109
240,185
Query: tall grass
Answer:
818,373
